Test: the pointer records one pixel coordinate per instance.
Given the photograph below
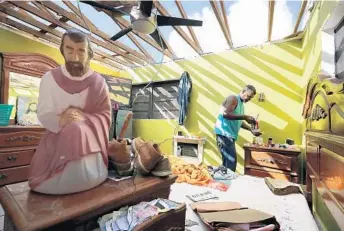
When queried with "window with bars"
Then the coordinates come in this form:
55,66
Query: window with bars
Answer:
157,101
339,49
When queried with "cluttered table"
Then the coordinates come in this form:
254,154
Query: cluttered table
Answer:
27,211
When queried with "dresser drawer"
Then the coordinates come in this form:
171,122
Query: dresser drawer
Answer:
16,158
271,160
13,175
261,173
17,139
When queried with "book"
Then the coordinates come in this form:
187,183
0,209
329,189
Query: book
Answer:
282,187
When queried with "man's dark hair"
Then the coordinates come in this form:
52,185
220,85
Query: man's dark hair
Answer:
77,36
251,88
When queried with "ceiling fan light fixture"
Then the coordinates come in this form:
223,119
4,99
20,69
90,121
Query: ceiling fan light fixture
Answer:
141,23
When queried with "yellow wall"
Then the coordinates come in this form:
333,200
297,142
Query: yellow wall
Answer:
13,42
274,69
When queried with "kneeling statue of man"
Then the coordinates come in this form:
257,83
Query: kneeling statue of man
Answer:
74,107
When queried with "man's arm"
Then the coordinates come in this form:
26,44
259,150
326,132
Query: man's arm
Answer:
229,107
245,126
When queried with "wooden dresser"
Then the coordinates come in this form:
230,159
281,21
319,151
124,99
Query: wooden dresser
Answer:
18,143
17,146
324,114
277,163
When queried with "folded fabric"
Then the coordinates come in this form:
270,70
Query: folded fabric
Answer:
218,185
202,207
222,173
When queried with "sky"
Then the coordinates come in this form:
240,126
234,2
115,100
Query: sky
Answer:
248,22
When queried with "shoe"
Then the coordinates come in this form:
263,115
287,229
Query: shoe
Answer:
147,155
162,168
119,155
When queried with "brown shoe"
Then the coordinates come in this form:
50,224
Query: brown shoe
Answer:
148,155
136,143
119,154
162,168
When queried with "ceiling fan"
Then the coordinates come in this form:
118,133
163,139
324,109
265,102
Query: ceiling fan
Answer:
143,20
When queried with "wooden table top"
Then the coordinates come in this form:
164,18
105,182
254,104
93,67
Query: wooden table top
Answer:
34,211
263,148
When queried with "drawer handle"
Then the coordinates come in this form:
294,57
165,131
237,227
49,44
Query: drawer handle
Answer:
3,176
271,161
23,138
12,158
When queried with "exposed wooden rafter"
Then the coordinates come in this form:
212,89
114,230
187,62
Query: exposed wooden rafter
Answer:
83,17
49,38
179,30
26,16
133,54
271,18
191,31
221,22
225,20
137,43
40,12
299,17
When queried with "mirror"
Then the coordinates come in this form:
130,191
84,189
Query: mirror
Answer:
23,94
20,79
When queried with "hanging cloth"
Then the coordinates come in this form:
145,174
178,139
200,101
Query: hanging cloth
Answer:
184,93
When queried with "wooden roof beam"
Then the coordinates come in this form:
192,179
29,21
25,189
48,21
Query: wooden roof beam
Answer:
191,31
179,30
40,12
299,17
83,17
137,43
271,18
4,19
221,22
138,56
23,16
225,20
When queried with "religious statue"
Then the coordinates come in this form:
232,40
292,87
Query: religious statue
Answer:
74,107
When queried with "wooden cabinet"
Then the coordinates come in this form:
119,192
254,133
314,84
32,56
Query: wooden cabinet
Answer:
272,162
18,143
17,146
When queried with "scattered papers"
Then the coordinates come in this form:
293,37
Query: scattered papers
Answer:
207,195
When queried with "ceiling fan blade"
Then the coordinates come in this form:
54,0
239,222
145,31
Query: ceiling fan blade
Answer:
105,7
155,35
146,8
173,21
121,33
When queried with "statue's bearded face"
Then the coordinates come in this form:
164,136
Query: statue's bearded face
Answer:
76,56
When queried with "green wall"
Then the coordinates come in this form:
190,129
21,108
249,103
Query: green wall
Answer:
274,69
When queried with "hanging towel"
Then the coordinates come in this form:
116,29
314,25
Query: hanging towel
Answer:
184,93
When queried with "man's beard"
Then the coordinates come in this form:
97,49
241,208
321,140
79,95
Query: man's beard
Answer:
75,68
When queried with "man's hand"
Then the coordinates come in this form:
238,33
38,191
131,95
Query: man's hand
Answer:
250,119
72,114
